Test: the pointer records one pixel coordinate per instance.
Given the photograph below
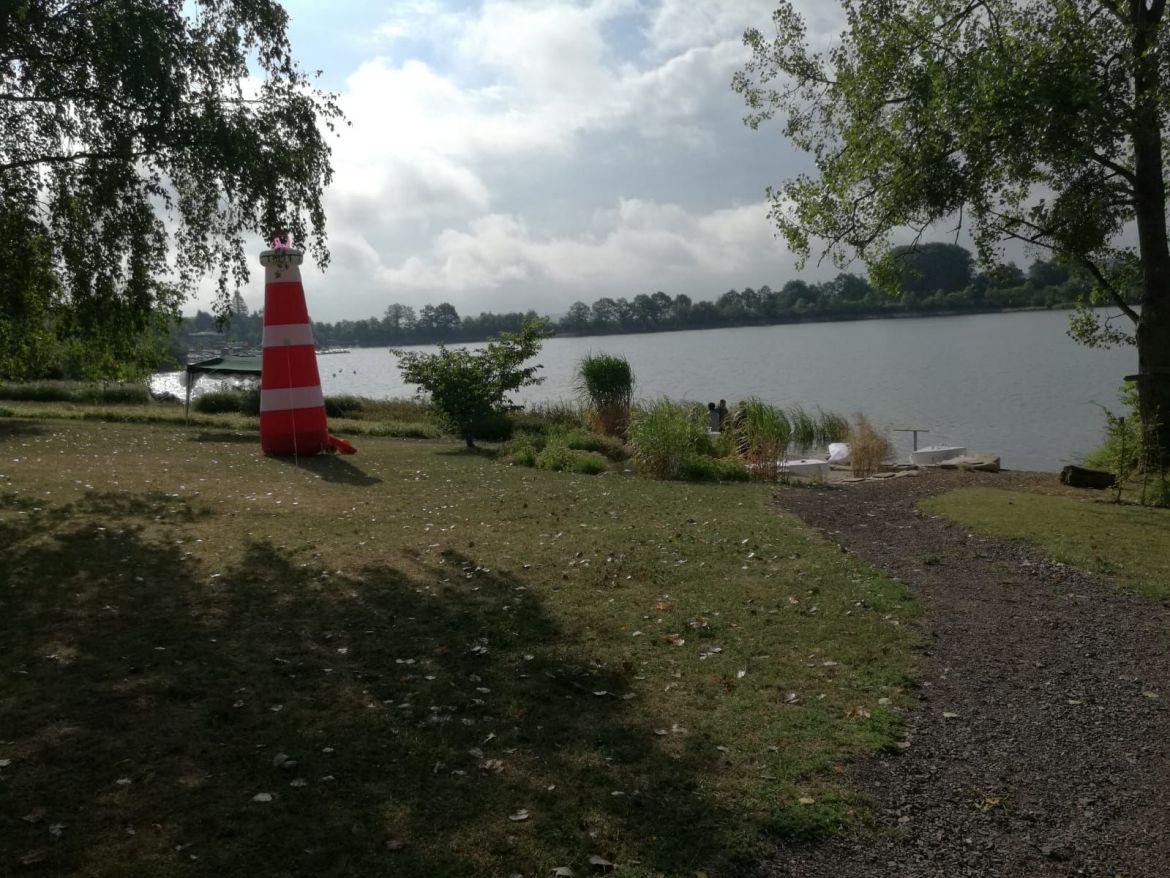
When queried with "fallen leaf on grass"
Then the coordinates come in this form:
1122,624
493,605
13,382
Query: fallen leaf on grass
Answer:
857,712
806,800
1151,694
949,714
34,816
4,763
262,797
676,639
562,872
791,698
601,863
32,857
519,816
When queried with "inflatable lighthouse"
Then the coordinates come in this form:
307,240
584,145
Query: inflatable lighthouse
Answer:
292,406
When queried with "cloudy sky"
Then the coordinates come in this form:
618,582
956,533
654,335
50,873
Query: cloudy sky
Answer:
514,154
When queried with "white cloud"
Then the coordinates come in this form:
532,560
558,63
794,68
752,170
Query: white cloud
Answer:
631,247
525,153
679,24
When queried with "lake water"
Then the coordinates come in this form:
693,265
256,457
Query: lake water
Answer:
1014,384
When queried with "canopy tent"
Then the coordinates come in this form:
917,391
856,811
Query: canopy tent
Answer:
246,365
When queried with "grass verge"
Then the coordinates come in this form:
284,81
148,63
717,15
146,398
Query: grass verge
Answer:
416,662
172,415
1125,542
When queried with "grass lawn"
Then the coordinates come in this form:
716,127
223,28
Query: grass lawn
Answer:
391,418
1130,543
415,662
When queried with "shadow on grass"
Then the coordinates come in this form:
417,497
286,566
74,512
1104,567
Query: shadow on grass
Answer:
224,436
484,451
14,428
391,722
331,468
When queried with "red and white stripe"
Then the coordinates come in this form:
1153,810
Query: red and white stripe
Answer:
292,406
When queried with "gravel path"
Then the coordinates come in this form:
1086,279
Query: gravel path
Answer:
1040,741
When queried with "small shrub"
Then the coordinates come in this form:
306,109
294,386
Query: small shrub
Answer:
132,393
493,427
561,458
583,440
869,448
1125,452
555,457
466,387
698,468
523,448
250,401
123,394
6,413
37,391
588,463
522,456
218,402
607,382
663,436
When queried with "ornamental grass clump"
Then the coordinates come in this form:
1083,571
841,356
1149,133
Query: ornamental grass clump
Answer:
663,437
832,427
815,431
762,435
869,447
805,432
606,381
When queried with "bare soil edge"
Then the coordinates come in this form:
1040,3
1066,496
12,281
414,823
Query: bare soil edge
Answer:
1040,741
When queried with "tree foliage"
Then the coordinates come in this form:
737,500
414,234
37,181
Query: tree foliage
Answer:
935,267
466,387
844,297
1040,122
142,142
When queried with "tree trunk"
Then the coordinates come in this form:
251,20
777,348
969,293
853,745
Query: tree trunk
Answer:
1153,329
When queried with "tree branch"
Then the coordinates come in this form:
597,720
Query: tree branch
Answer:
1118,299
73,157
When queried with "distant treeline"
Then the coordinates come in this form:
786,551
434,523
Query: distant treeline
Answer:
934,279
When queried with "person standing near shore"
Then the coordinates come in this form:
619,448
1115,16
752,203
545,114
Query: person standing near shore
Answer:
721,410
712,418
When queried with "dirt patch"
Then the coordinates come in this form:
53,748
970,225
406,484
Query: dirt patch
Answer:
1040,741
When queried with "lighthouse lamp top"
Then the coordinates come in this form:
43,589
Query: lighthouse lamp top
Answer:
281,252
